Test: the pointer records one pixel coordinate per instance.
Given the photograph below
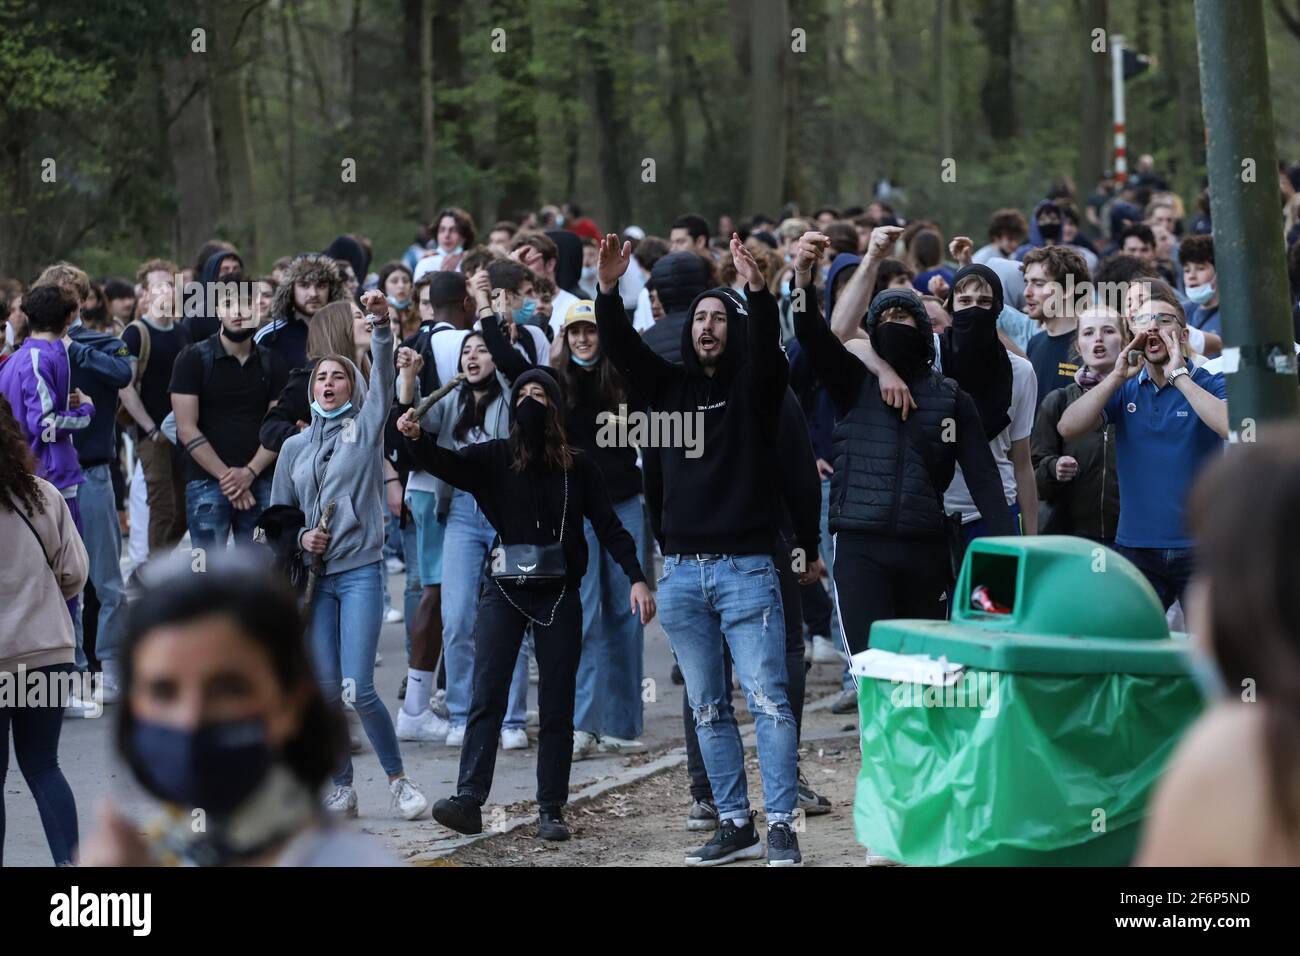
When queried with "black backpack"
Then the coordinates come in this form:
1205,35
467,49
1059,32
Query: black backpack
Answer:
208,355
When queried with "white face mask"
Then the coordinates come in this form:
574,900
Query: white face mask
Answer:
9,335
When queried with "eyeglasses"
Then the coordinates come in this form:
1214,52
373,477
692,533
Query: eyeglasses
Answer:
1141,323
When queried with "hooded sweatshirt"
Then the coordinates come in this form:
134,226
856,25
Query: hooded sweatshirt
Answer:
568,270
37,578
974,357
101,365
341,460
725,501
205,326
1036,240
811,392
346,249
36,380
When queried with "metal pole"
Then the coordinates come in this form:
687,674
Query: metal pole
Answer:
1117,99
1246,209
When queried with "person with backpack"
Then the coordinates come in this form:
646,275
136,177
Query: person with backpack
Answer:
221,389
332,472
154,340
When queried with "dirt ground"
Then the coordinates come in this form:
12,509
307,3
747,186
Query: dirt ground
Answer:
643,824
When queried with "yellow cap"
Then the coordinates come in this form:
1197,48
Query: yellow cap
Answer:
584,310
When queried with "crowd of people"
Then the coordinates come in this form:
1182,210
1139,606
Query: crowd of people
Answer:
868,394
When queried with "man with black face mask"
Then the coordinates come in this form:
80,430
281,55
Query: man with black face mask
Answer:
221,389
891,467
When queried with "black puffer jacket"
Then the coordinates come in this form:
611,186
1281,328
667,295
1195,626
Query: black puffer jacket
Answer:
678,278
1087,505
882,483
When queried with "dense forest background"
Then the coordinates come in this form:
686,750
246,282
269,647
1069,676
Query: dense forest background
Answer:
120,139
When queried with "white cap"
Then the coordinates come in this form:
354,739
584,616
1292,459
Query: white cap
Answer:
634,232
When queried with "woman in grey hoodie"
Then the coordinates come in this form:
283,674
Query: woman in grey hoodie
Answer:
338,459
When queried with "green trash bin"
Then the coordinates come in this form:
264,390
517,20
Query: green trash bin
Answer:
1045,749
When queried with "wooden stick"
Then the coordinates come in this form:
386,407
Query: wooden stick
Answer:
429,401
314,570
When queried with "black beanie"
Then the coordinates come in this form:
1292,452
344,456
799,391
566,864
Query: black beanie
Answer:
545,377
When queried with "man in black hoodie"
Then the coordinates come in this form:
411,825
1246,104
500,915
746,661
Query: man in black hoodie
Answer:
719,522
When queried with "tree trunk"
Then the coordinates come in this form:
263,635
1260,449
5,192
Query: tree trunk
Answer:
769,45
192,150
610,116
291,148
427,196
996,22
516,126
1094,98
234,149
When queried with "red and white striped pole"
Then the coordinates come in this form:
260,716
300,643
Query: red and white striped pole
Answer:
1117,95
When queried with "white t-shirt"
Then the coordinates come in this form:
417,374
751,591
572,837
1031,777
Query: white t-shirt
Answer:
644,316
559,309
1024,393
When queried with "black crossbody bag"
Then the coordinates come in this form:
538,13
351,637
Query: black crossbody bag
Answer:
534,566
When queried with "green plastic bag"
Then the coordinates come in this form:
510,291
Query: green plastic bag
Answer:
1049,770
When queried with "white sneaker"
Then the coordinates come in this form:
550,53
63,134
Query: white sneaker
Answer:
619,745
78,708
583,744
514,738
427,726
110,690
825,651
342,801
438,704
455,736
393,615
410,802
395,565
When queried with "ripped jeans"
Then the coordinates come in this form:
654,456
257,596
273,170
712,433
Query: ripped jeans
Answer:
705,600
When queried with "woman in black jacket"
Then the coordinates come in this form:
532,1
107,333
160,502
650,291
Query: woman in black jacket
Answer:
1077,476
535,490
886,509
608,715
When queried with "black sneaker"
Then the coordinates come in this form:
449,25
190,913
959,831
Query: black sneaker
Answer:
783,846
460,814
703,816
729,844
846,702
551,826
811,802
401,691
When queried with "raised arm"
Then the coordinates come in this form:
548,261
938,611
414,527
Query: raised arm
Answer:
466,470
766,367
855,299
109,361
1210,408
383,370
631,356
840,372
1084,414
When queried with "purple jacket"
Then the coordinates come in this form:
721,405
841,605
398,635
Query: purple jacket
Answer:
35,380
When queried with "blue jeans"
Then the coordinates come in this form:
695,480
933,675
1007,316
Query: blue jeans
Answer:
103,539
1168,569
36,744
346,614
734,598
608,699
465,552
211,516
411,594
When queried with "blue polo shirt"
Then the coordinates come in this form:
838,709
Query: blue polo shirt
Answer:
1161,445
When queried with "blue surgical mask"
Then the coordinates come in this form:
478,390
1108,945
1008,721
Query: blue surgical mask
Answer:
331,413
397,303
1201,294
526,311
585,363
216,766
588,273
785,289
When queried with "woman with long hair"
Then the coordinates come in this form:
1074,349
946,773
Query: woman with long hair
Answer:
1231,795
1077,476
333,472
535,490
474,413
396,282
221,714
608,713
45,566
